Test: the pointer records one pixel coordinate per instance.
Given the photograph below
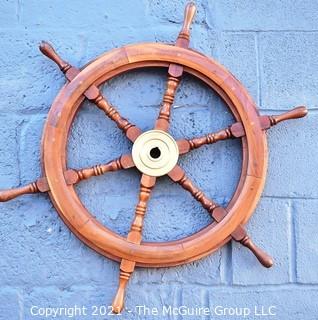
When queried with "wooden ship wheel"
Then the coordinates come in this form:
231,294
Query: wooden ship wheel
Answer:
154,153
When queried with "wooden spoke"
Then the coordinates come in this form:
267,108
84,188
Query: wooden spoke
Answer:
73,176
175,71
130,130
92,93
135,235
236,130
178,175
163,120
218,213
146,185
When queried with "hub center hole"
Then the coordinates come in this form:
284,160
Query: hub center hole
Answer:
155,153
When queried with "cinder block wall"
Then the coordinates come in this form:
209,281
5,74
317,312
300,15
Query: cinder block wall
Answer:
271,47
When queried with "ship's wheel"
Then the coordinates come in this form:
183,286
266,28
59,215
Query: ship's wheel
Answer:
154,153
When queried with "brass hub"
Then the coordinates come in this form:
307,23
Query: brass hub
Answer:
155,153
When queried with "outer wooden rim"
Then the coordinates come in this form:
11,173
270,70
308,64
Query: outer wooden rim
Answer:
84,225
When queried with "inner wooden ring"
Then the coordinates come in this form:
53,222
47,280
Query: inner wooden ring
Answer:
99,237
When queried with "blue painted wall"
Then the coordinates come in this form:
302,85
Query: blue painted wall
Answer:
271,46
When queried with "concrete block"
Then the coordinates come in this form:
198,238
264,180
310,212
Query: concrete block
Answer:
77,302
290,153
262,15
203,272
286,302
30,148
306,240
287,68
70,15
238,53
12,304
173,11
9,146
10,13
39,250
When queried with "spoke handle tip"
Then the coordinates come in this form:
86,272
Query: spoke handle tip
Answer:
48,50
6,195
189,14
265,259
298,112
118,302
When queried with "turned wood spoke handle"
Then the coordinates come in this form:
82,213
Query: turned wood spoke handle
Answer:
265,259
240,235
118,302
48,50
6,195
189,13
298,112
